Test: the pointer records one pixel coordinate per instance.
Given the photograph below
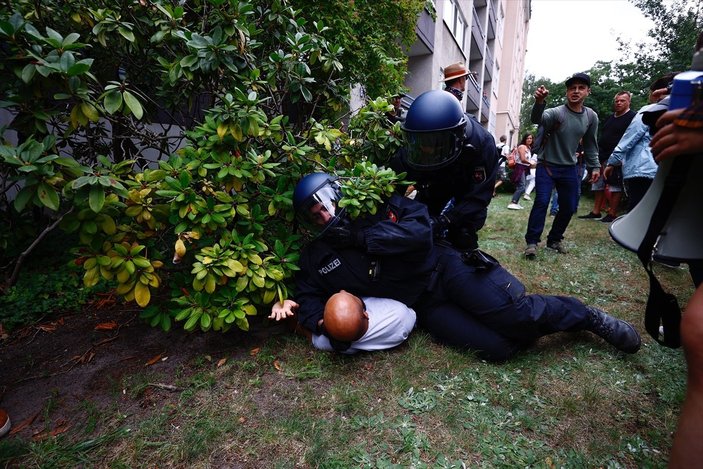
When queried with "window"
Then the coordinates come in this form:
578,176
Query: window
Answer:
455,22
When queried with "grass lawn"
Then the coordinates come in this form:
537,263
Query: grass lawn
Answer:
570,401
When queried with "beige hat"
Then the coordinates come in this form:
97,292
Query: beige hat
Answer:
455,71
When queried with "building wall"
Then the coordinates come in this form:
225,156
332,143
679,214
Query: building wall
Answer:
493,47
512,73
425,67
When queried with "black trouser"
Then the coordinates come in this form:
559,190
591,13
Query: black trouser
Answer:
487,310
635,188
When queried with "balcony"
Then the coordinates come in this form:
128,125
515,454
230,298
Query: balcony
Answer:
473,94
492,23
477,33
488,64
425,28
485,110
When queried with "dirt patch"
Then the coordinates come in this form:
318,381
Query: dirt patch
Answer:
53,369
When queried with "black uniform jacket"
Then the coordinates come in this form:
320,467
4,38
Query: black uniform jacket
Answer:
469,180
396,262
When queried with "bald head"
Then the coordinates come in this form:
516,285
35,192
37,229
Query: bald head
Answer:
345,318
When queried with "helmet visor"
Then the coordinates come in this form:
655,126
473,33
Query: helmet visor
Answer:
321,209
432,150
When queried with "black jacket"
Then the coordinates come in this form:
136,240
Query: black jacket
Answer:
469,181
396,262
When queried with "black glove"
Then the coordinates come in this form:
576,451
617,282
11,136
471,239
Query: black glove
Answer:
343,237
439,226
463,239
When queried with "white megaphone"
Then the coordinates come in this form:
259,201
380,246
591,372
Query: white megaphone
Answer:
681,238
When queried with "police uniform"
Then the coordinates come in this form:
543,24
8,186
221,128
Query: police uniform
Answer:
487,309
395,263
469,181
480,308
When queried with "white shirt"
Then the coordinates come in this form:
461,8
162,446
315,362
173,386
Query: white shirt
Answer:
390,324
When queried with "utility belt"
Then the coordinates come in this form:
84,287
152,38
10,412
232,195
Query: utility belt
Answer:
479,261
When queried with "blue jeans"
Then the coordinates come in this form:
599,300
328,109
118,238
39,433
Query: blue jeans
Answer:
555,204
565,180
519,183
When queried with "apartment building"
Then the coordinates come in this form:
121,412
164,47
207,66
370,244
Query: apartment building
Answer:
490,37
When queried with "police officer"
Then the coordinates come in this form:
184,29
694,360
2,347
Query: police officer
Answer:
391,254
454,163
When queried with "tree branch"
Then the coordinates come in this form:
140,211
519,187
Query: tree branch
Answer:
20,260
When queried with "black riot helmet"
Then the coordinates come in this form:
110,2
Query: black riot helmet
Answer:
316,202
434,130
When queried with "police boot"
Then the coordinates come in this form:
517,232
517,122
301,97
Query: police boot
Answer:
616,332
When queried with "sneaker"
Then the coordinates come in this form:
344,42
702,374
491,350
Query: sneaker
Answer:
4,423
514,206
526,197
616,332
557,246
531,251
607,219
589,216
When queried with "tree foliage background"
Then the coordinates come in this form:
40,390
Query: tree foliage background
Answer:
677,24
165,138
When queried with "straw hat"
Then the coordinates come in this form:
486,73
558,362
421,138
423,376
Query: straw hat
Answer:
454,71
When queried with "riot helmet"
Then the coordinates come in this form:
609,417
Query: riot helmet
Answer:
434,130
316,202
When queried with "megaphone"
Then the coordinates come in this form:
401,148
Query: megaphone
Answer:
681,238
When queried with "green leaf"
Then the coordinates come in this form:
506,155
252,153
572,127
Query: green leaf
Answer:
96,200
113,101
28,72
205,322
70,39
90,112
190,324
165,322
48,196
79,68
188,60
133,104
126,33
24,196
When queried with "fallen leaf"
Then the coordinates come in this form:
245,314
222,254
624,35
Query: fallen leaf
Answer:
85,358
221,362
255,351
153,360
106,326
277,365
242,419
56,431
50,326
23,424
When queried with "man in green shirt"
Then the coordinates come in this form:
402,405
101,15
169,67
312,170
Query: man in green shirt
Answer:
563,127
